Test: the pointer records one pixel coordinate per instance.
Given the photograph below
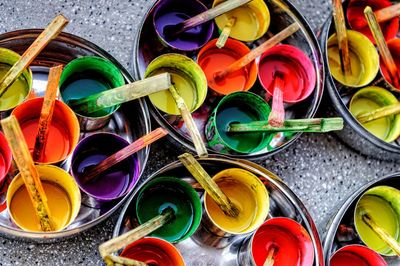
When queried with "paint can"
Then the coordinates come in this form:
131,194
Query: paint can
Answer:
356,255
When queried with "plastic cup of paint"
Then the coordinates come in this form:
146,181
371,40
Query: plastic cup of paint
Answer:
292,242
394,48
63,199
213,59
21,88
297,70
153,251
163,192
248,194
63,133
172,12
356,255
357,21
382,204
252,20
187,77
115,182
5,158
364,60
86,76
372,98
237,107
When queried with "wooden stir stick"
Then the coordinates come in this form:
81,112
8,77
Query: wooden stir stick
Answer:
28,172
226,31
383,15
392,109
46,114
49,33
277,116
270,260
382,46
209,184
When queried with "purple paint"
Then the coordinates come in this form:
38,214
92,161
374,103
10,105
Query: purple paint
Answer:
172,12
116,181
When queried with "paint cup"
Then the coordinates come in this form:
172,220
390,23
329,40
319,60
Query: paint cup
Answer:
86,76
213,59
364,60
382,205
248,194
394,48
21,88
297,70
5,158
372,98
292,242
356,18
63,133
153,251
172,12
186,75
163,192
237,107
252,20
356,255
115,182
63,198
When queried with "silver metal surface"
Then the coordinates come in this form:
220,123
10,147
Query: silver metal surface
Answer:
130,121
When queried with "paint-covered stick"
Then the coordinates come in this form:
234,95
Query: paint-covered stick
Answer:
126,93
124,153
208,184
382,46
26,167
277,116
115,244
270,260
392,109
383,15
49,33
313,125
253,54
341,31
189,122
173,30
226,31
112,260
46,113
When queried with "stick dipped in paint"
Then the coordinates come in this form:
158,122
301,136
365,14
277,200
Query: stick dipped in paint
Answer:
49,33
126,93
392,109
226,31
46,114
124,153
270,260
382,46
383,15
253,54
277,116
115,244
209,185
26,167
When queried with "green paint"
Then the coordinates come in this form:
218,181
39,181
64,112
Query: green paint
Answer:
164,192
17,91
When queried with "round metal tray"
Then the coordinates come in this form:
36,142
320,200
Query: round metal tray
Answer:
283,202
131,121
334,239
354,134
147,46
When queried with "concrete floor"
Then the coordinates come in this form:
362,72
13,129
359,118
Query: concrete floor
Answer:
319,168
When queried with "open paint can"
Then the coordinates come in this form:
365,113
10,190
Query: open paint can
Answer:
356,255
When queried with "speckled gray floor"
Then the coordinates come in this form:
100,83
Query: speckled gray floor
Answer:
319,168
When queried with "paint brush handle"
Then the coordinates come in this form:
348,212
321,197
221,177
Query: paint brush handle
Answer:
314,125
253,54
208,184
126,93
277,116
28,172
137,233
392,109
270,260
190,124
112,260
383,14
382,233
382,46
341,31
49,33
226,31
124,153
46,113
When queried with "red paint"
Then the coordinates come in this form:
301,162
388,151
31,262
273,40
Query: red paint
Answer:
297,70
153,251
291,239
356,255
5,158
358,22
394,48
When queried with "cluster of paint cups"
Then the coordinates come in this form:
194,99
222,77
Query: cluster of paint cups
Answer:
231,97
202,220
365,65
